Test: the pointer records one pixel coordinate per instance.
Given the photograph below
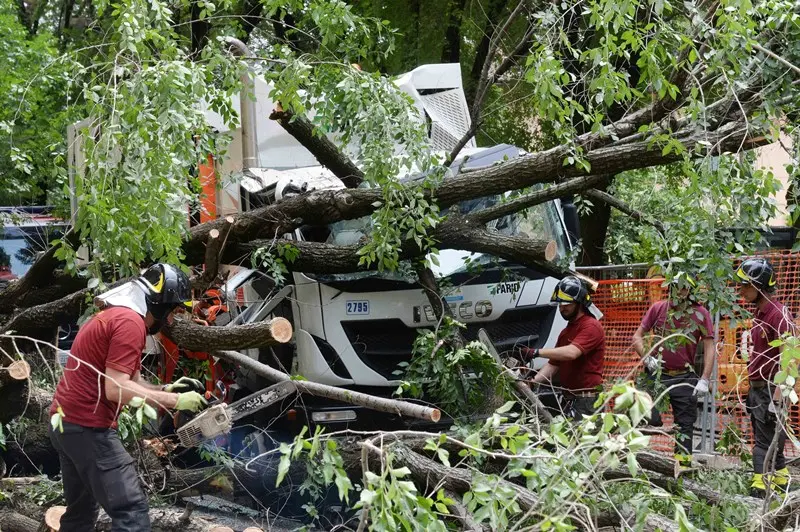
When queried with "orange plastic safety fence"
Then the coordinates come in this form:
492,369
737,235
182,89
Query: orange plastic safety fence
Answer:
624,303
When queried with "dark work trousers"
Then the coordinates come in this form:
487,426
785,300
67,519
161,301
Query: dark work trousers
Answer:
684,409
97,471
764,425
576,406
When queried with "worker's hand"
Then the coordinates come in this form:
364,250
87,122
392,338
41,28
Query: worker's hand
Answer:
651,363
772,408
190,402
701,388
184,384
528,354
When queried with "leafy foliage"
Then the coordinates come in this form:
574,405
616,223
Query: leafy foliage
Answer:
35,106
394,502
457,378
324,467
132,419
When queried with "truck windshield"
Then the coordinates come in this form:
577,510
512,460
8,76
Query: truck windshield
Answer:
20,244
541,222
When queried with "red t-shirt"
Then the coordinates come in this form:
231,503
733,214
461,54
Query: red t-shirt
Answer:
586,371
678,352
768,325
113,338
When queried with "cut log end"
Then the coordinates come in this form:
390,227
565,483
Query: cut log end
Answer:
550,251
281,330
52,517
19,370
220,529
436,415
214,233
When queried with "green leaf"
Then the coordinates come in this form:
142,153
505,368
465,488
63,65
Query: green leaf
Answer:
283,468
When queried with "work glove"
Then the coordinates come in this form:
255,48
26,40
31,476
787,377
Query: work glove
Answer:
528,354
772,409
651,363
184,384
701,388
190,402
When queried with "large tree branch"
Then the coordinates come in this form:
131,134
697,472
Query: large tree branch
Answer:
328,206
455,232
39,274
326,152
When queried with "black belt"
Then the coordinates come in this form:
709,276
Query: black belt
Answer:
675,372
756,385
571,395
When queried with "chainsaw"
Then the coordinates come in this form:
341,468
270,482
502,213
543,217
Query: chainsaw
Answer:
219,417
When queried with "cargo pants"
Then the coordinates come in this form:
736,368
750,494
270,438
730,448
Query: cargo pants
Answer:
764,425
684,409
96,471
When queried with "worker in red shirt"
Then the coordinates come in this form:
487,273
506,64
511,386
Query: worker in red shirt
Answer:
772,319
679,315
579,353
102,375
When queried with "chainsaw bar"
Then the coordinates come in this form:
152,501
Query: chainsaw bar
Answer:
260,400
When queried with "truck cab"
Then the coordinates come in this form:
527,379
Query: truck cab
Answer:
353,330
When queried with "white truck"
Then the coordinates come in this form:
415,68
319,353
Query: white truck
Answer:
352,330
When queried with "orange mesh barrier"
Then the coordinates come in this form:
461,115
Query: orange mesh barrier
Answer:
624,303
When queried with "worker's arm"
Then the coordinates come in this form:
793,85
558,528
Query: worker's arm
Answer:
638,341
121,388
561,354
137,378
708,357
545,374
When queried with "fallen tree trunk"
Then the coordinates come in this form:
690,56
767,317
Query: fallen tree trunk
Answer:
456,233
192,336
668,467
11,521
381,404
786,516
165,520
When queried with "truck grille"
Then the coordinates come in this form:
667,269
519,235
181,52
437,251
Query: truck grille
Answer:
383,344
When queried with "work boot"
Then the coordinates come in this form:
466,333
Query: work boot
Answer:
780,482
757,487
684,461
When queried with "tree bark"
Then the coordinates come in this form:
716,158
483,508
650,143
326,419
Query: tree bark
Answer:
11,521
668,467
594,229
380,404
194,337
456,232
166,520
452,36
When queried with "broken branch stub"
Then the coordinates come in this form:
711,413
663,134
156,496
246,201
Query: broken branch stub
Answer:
372,402
194,337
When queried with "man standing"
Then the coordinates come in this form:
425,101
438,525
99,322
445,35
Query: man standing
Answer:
102,375
690,322
579,354
757,283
